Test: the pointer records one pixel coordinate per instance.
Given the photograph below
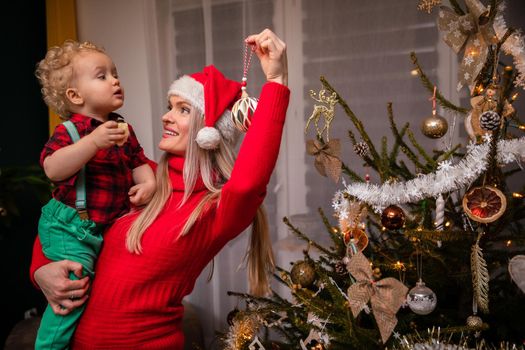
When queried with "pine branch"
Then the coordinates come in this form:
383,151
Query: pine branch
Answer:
367,159
443,102
357,123
457,8
384,156
504,38
431,163
306,238
450,153
407,174
399,138
352,138
395,149
252,297
351,174
338,242
433,235
464,329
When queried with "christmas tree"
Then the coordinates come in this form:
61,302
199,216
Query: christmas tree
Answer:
425,258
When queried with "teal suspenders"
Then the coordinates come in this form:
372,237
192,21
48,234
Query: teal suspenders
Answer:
80,185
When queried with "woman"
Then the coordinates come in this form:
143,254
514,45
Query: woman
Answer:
150,260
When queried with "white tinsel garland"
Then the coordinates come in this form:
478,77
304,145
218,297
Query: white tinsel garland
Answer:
447,178
514,45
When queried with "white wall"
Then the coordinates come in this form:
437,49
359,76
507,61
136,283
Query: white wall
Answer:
119,27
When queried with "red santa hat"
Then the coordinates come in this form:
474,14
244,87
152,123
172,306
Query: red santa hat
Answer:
213,95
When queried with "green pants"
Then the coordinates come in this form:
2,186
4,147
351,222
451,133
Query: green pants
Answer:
65,236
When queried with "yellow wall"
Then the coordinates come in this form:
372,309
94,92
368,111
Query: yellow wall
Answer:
61,20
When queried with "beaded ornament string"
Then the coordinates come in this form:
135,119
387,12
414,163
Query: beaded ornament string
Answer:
243,109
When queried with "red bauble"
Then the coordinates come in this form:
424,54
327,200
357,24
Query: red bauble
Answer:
393,217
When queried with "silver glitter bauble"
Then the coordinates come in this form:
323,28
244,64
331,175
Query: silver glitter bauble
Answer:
421,299
489,120
474,321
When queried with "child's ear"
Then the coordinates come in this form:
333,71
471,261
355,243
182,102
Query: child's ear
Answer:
74,97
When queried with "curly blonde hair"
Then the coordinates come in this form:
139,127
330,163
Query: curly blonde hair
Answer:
54,73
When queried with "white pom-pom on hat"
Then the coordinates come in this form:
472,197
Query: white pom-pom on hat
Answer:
208,138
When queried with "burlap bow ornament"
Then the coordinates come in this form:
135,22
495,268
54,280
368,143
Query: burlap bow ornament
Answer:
386,295
475,32
327,157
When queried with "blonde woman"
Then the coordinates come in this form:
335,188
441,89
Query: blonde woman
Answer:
151,259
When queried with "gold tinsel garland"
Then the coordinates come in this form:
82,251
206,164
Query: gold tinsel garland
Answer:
242,331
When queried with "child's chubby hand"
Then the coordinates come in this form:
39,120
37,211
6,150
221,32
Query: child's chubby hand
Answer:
108,135
141,193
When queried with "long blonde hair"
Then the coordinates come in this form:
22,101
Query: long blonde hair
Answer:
215,167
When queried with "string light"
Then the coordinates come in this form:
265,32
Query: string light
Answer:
517,195
480,89
514,97
414,72
509,242
448,223
399,266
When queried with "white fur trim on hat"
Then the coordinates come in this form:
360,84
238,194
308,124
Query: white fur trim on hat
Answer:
190,90
208,138
227,128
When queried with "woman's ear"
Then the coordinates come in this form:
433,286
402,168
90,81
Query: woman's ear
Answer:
74,97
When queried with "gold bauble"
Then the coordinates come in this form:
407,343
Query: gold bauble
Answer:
474,321
303,273
434,126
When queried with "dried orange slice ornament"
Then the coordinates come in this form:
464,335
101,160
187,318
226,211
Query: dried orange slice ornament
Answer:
484,204
355,239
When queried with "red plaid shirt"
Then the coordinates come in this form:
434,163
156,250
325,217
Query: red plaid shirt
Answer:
108,173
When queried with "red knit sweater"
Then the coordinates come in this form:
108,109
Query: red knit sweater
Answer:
135,301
